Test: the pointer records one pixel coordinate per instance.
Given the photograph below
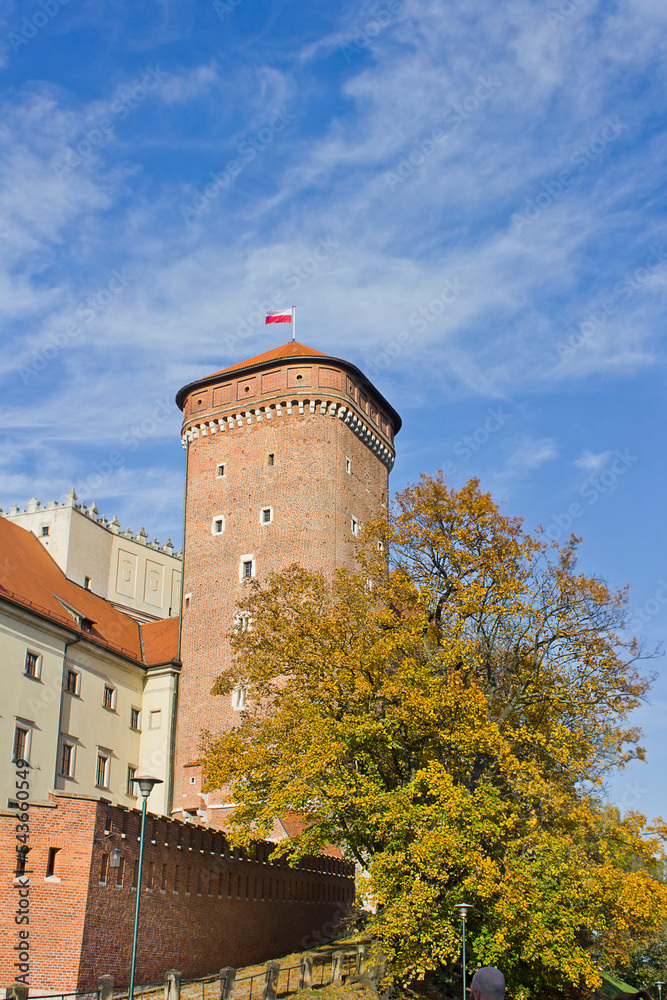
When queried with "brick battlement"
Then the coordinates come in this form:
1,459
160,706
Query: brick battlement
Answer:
204,905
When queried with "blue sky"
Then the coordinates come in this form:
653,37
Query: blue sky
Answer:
485,183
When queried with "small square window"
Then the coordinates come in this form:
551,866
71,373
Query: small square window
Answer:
348,466
73,678
271,459
33,665
45,530
134,718
102,771
109,697
266,515
220,470
218,525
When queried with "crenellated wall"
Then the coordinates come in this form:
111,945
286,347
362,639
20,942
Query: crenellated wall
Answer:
203,906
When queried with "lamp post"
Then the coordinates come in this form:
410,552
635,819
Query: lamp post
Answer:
659,985
146,786
463,910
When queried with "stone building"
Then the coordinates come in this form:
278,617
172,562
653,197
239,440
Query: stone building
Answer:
287,456
134,574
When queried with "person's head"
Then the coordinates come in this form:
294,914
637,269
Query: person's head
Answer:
488,984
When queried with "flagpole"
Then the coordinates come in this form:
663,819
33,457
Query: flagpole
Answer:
293,322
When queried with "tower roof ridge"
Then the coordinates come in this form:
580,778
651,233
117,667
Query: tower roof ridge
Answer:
292,349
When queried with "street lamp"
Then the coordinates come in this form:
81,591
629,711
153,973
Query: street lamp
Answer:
463,910
146,786
659,985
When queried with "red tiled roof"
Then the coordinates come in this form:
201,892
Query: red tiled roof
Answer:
160,641
292,349
30,577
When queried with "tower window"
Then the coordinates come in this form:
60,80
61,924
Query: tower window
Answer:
246,567
238,698
45,530
218,525
266,515
220,470
271,459
354,525
348,466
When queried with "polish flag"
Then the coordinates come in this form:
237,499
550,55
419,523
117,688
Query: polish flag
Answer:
279,317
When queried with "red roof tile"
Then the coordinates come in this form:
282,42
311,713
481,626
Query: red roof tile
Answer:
292,349
29,576
160,641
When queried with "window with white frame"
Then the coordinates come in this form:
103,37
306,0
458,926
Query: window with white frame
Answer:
22,741
246,567
73,682
238,698
102,769
266,515
220,470
354,526
348,466
218,524
67,758
109,698
33,664
242,622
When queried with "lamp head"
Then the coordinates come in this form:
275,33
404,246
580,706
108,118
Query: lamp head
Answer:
463,909
147,784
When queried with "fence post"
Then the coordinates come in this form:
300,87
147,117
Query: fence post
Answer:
271,983
172,985
227,983
361,956
306,972
105,987
336,967
17,991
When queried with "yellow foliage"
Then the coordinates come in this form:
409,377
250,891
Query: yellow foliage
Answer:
448,715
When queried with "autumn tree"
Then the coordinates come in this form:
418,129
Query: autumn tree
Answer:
448,715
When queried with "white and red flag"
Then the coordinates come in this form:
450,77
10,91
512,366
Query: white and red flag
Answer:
279,317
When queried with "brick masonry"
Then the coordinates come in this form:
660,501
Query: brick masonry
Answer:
309,440
203,905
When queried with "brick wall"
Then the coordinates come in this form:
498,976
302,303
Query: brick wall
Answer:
325,472
203,906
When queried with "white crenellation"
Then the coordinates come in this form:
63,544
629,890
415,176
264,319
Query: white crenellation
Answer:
333,408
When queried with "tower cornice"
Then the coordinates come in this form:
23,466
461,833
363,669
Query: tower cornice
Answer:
267,362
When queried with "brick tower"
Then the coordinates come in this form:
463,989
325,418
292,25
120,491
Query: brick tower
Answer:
288,454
